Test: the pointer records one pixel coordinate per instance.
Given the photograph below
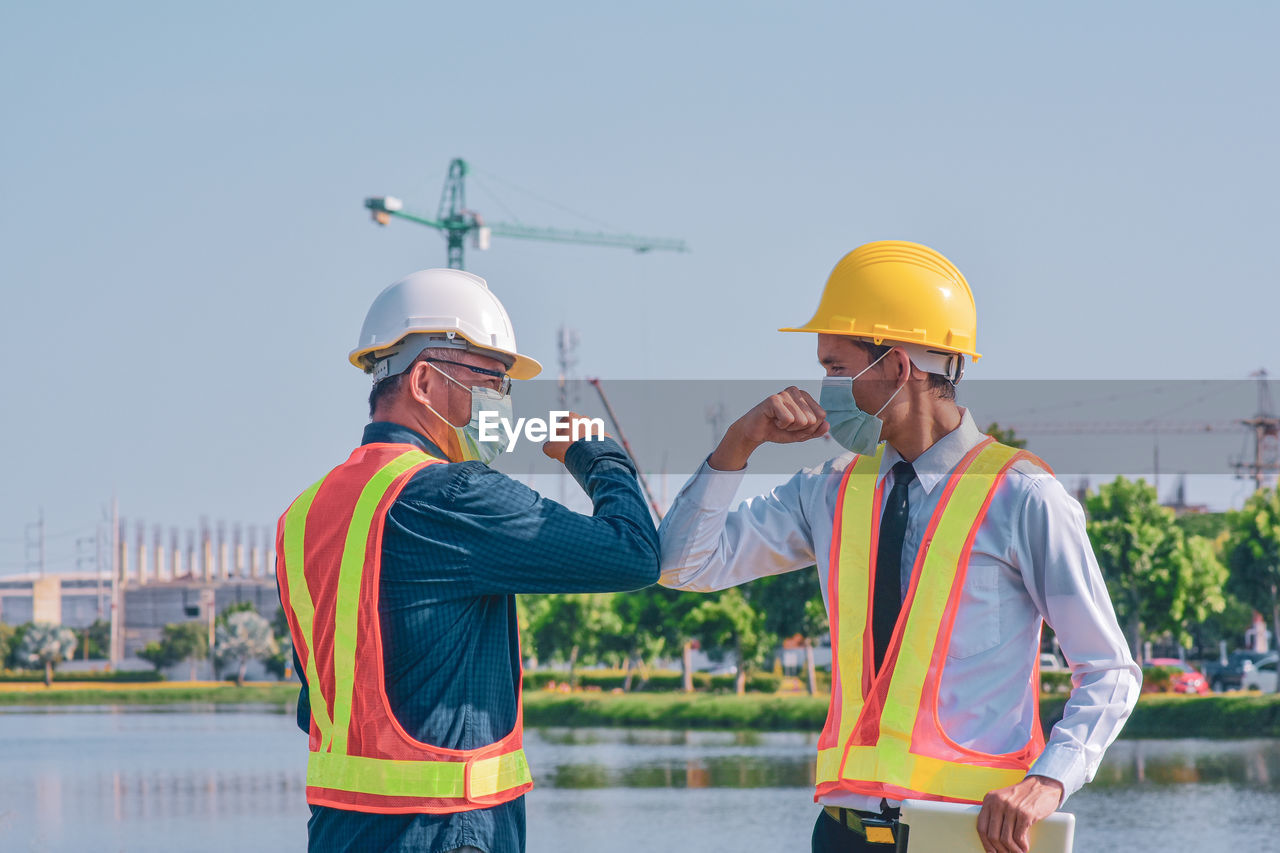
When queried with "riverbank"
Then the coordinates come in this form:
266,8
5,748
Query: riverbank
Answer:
148,693
1228,715
1231,715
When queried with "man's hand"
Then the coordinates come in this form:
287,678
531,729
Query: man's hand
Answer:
1004,824
556,449
783,418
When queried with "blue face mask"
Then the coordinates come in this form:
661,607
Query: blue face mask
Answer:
852,428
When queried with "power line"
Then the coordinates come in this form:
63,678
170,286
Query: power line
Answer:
545,200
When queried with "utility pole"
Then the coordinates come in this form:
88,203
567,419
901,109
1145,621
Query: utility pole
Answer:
35,544
567,353
1266,437
116,653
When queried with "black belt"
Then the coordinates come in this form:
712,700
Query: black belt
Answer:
875,827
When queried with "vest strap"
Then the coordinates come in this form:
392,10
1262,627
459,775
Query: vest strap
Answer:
463,780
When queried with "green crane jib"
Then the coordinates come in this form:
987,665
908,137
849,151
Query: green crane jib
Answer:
456,221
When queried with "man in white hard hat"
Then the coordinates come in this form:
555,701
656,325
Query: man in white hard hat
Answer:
398,572
939,554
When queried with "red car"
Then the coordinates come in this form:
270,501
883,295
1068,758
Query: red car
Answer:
1186,680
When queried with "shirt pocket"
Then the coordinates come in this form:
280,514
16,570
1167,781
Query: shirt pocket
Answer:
978,627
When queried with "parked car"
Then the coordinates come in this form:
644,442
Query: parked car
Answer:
1230,676
1186,680
1049,662
1262,675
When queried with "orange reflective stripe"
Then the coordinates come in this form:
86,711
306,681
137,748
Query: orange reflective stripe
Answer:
350,577
300,601
937,574
857,538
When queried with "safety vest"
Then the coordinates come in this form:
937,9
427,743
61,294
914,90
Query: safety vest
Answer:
361,758
882,737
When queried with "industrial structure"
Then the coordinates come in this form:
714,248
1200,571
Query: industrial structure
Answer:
458,222
144,581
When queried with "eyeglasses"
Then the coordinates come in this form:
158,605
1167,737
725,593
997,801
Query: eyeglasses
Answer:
504,381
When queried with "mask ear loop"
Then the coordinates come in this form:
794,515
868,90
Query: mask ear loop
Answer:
430,408
895,391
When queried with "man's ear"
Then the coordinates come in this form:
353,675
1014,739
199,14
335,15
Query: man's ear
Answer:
902,366
419,380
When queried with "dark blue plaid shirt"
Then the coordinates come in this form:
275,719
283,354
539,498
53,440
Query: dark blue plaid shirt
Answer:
459,542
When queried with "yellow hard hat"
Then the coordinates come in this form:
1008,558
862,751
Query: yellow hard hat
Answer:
899,292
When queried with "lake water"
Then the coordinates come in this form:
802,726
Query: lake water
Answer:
200,778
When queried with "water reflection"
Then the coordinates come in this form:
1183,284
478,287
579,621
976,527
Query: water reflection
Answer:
638,758
1251,763
164,779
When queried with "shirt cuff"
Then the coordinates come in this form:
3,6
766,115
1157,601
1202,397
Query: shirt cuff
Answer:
712,488
1063,763
584,453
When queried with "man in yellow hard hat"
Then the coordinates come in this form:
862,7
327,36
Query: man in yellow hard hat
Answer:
939,554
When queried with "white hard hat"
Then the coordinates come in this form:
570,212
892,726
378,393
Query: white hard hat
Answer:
437,308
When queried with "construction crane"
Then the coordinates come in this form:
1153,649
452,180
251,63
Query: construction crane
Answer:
457,222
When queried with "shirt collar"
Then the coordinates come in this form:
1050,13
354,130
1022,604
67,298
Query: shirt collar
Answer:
385,432
933,466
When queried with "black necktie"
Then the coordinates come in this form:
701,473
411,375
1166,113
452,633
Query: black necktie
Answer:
888,593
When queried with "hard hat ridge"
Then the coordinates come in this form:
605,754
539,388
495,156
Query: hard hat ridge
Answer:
437,307
894,291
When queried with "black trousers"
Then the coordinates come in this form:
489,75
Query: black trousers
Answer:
830,837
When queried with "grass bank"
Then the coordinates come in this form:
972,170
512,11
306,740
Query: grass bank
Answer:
675,710
153,693
1230,715
1156,716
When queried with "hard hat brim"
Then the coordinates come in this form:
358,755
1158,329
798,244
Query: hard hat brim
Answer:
522,366
845,333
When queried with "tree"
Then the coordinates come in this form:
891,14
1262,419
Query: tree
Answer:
7,642
1159,581
1253,554
281,663
47,645
245,636
98,639
726,622
651,626
574,627
1005,436
179,641
792,604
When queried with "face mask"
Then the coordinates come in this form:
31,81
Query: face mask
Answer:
482,400
852,428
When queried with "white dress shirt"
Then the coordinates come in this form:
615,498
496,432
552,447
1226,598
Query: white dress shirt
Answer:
1031,559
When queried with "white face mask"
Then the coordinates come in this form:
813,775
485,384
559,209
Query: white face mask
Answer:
482,400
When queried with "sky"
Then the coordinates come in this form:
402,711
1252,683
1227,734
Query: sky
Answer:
185,260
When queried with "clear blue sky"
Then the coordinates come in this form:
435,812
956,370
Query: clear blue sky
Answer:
186,261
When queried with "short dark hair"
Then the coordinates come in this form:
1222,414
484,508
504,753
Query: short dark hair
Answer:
388,386
941,386
384,389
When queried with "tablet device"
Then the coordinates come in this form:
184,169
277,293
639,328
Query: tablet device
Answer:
953,827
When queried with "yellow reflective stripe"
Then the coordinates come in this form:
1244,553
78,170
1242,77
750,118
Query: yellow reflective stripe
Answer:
853,566
500,773
350,576
933,588
394,778
891,764
828,766
304,612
